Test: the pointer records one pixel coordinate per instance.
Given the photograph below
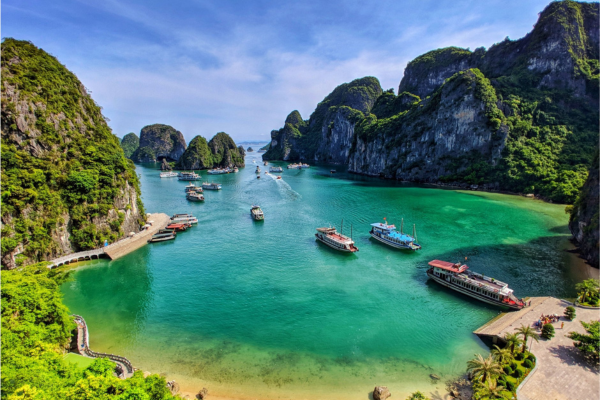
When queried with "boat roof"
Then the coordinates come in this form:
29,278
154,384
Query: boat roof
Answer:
383,226
448,266
325,230
175,225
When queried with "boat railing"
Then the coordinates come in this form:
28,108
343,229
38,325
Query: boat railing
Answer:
487,278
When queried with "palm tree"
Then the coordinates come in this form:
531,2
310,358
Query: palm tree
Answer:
484,367
512,340
527,332
490,390
587,288
503,356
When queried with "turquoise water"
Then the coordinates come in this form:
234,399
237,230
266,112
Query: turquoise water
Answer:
262,310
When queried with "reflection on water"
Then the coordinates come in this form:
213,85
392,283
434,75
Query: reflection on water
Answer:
255,310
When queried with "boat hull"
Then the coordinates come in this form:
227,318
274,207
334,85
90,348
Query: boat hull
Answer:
162,239
477,296
392,244
343,250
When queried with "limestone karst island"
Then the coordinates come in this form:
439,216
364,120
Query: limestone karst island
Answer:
306,200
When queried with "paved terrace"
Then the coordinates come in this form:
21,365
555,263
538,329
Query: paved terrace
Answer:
561,372
119,248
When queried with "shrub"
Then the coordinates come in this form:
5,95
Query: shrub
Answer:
513,365
510,386
548,331
570,313
519,356
518,373
507,370
531,357
527,363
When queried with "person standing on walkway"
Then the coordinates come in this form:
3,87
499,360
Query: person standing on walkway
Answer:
562,325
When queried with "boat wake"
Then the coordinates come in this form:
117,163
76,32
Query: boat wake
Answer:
285,189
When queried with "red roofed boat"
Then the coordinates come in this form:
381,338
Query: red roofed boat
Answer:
480,287
178,227
336,240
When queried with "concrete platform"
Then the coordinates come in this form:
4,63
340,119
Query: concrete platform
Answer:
127,245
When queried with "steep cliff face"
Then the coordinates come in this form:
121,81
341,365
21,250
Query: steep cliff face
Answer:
521,116
159,141
326,135
130,144
221,151
66,184
584,217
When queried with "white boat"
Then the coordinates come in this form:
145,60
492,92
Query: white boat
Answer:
298,166
161,237
257,213
336,240
219,171
193,196
275,169
387,234
483,288
211,186
189,176
190,188
169,174
257,169
189,220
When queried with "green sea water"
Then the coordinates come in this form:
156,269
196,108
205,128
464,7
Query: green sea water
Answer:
261,310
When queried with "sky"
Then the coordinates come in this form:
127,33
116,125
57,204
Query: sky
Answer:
242,66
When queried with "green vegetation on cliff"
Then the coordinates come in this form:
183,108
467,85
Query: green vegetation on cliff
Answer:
130,143
63,171
36,328
220,151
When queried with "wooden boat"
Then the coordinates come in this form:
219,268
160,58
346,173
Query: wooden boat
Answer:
211,186
178,227
336,240
480,287
387,234
257,213
162,237
193,196
189,176
167,231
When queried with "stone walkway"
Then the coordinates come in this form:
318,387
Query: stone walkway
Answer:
127,245
561,373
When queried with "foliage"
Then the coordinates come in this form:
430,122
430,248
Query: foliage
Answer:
589,343
36,326
129,144
512,340
224,151
482,368
417,396
488,390
507,370
67,164
528,363
589,291
548,331
570,313
502,355
527,332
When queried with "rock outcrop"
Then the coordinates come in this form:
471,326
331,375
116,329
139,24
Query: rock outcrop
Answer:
66,184
164,166
584,217
381,393
130,144
221,151
521,116
159,141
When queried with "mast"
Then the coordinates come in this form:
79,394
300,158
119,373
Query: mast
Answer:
350,231
401,225
415,232
342,228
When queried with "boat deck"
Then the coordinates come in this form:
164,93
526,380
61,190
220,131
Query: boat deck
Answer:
478,280
401,236
339,238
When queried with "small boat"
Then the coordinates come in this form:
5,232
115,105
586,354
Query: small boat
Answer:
169,174
266,163
188,219
178,227
193,196
257,213
278,177
190,188
161,237
257,169
219,171
332,171
167,231
336,240
211,186
483,288
236,170
181,215
275,169
388,234
266,172
189,176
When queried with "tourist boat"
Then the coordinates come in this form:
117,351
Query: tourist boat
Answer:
189,219
275,169
169,174
388,234
178,227
484,288
190,188
211,186
298,166
197,189
189,176
167,231
193,196
257,169
219,171
161,237
257,213
181,215
236,170
336,240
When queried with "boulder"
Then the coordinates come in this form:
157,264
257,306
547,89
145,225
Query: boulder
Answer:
202,394
381,393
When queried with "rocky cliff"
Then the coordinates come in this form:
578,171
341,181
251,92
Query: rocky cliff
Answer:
129,144
521,116
159,141
584,217
221,151
66,184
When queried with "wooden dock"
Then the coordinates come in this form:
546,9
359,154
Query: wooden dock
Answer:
119,248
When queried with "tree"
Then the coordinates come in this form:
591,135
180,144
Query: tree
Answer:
482,368
588,344
570,313
527,332
548,331
588,289
489,390
503,356
417,396
512,340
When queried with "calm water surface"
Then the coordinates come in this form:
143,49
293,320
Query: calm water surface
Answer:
261,310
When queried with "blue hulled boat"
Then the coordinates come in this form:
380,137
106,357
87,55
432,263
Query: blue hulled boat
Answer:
388,234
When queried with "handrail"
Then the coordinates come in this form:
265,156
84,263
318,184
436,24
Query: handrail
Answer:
95,354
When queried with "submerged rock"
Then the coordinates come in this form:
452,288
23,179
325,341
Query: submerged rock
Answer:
381,393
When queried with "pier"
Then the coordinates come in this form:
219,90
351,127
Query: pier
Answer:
119,248
561,372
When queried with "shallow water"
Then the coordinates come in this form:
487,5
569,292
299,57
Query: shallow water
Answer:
262,310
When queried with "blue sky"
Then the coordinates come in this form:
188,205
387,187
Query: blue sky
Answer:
242,66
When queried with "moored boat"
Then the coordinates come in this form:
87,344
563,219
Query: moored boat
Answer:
211,186
235,169
181,215
178,227
169,174
184,218
275,169
387,234
167,231
480,287
257,213
193,196
219,171
189,176
161,237
336,240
